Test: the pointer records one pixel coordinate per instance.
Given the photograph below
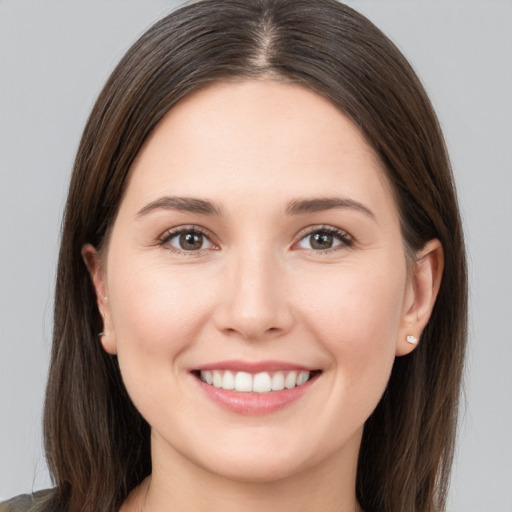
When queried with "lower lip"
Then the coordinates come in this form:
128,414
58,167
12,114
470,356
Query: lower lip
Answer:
255,404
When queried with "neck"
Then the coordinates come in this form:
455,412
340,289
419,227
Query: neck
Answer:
177,484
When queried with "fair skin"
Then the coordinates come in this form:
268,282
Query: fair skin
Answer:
291,260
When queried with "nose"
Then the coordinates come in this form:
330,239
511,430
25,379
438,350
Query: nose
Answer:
254,303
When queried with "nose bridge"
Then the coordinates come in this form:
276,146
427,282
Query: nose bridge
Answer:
255,305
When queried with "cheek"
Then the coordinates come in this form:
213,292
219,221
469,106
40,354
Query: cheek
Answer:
357,318
156,300
157,313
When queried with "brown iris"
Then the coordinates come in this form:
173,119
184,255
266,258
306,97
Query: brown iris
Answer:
321,240
191,241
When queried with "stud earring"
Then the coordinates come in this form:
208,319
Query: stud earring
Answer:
412,340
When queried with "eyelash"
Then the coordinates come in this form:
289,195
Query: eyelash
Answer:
345,239
183,230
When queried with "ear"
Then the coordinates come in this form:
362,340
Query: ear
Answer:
93,263
422,289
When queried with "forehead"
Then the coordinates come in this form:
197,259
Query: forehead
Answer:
237,138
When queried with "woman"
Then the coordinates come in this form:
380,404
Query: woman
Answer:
261,217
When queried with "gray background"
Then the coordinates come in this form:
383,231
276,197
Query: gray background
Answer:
54,58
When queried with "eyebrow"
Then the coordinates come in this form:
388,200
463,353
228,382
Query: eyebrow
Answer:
295,207
187,204
303,206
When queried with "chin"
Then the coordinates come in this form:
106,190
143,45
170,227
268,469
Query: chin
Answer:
262,469
263,458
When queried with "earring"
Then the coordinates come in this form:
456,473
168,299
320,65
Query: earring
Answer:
102,333
412,340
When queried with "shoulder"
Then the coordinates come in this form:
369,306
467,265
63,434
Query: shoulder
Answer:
24,502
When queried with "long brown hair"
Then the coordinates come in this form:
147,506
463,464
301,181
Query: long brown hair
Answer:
97,444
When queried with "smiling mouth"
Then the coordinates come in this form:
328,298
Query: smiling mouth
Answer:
261,382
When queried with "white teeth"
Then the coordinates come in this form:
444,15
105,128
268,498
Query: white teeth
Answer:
228,381
291,380
278,381
217,378
262,382
243,381
302,378
207,377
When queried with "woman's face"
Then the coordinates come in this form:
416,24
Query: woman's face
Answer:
258,244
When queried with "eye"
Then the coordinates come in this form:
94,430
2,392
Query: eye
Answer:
186,240
325,239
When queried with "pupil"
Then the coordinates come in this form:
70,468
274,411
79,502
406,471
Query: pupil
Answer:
191,241
321,241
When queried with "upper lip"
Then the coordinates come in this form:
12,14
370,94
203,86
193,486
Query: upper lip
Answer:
254,366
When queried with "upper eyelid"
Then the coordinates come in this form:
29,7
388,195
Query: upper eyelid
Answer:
322,227
172,232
